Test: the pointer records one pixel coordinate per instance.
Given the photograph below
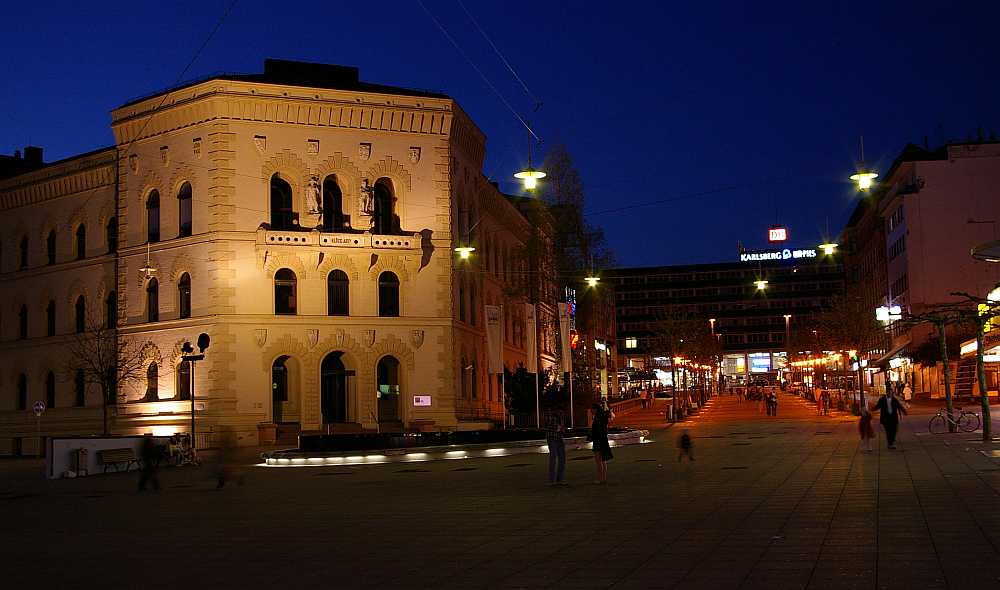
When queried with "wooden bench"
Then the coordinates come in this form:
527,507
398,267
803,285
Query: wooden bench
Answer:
117,457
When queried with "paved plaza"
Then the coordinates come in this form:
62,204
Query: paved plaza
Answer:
786,502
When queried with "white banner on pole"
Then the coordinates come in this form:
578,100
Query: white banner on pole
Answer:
566,353
530,342
494,340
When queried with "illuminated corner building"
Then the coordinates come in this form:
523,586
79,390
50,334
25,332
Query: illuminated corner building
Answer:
306,221
908,243
749,322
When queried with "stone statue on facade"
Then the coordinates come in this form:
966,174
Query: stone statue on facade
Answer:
313,199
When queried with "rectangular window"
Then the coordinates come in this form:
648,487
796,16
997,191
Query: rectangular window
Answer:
632,343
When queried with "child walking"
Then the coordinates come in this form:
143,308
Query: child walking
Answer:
865,429
685,447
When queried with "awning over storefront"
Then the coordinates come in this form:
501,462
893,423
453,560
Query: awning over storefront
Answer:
883,361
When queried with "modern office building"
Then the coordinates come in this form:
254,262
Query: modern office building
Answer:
750,306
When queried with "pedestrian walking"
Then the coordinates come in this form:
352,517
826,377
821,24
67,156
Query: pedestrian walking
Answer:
643,397
890,409
555,429
151,453
226,465
772,403
818,394
685,448
601,448
865,429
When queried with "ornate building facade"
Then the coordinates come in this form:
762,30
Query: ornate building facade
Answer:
306,221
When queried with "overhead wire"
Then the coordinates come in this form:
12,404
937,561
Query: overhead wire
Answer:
471,63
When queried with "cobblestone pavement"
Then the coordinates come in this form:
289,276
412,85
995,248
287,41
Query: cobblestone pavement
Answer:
786,502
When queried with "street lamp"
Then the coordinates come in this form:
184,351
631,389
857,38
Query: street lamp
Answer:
761,284
464,251
188,350
828,248
592,281
788,318
711,323
864,176
529,176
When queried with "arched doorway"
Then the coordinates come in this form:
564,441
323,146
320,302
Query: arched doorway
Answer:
387,376
279,388
334,399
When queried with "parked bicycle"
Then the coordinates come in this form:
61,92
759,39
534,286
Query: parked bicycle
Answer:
965,421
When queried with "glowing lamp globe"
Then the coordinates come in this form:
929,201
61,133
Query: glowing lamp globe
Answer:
761,284
592,281
464,251
530,177
864,179
828,248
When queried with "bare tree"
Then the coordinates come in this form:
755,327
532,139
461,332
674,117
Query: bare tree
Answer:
107,359
849,324
673,329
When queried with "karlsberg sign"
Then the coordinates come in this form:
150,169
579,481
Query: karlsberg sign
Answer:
784,254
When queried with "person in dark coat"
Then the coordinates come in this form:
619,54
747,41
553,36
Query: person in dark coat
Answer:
555,428
151,453
890,409
599,436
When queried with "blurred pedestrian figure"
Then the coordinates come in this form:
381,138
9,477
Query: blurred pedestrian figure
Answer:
865,428
772,404
643,397
226,465
555,429
599,436
151,453
685,448
907,392
818,394
890,409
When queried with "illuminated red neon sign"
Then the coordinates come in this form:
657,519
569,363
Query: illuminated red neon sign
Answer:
777,234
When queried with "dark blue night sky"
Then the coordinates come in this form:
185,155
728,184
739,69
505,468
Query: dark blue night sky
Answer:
738,115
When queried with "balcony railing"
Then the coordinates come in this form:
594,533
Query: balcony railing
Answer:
338,240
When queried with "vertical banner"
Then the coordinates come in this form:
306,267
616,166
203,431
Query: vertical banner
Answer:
530,342
566,354
494,340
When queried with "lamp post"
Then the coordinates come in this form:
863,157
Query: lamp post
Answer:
188,350
788,318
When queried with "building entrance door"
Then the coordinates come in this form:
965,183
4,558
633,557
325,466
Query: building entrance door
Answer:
279,388
387,374
333,389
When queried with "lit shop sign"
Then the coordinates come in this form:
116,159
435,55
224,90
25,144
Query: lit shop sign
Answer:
777,234
421,400
786,254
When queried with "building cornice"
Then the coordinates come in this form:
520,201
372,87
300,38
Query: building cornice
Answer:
272,103
77,175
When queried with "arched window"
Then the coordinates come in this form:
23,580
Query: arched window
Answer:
285,292
50,247
80,315
184,209
111,234
333,205
22,323
111,310
184,380
465,378
152,383
50,319
473,310
184,295
152,301
337,293
282,215
474,381
461,303
80,389
388,294
50,390
81,242
384,218
22,392
23,253
153,217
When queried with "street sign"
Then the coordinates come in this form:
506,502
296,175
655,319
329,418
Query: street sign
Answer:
38,407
